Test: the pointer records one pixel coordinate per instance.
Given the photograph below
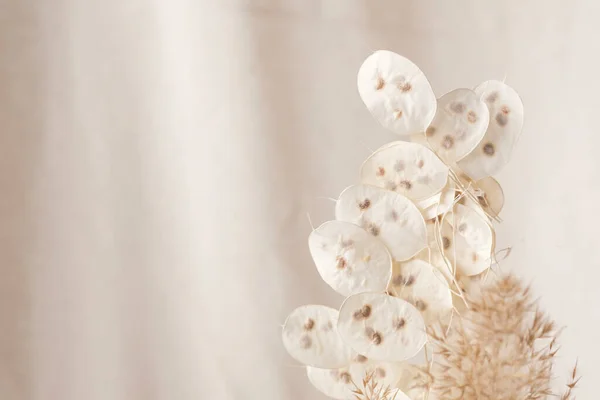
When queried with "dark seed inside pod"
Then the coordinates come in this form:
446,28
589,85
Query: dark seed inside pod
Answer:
482,201
363,313
406,184
448,142
489,149
363,205
446,242
377,338
401,280
492,97
399,324
345,377
405,87
457,107
305,342
341,262
421,306
472,117
501,119
361,359
372,229
310,323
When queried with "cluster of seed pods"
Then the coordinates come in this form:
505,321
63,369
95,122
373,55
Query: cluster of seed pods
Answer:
417,225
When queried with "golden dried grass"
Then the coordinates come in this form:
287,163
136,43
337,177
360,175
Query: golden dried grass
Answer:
503,347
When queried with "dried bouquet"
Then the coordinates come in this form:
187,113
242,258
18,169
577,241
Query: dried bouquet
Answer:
412,248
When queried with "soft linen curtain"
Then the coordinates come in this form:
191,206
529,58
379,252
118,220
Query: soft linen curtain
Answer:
158,159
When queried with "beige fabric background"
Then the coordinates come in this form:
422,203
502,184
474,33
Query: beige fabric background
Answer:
158,159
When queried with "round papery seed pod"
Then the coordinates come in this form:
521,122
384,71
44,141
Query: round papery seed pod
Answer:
396,92
408,168
424,286
381,337
309,335
473,240
349,259
459,125
389,216
506,122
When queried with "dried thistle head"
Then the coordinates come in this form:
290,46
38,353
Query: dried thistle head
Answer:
501,348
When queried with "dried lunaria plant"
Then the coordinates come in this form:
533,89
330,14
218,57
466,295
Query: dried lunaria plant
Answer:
411,249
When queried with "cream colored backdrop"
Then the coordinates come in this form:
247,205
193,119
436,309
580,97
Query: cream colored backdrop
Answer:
158,159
